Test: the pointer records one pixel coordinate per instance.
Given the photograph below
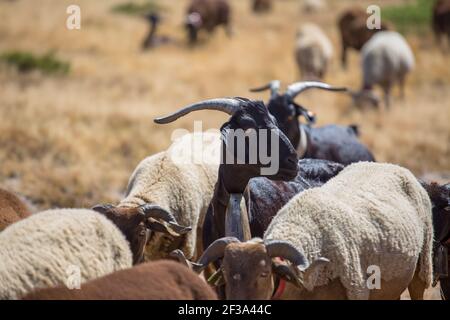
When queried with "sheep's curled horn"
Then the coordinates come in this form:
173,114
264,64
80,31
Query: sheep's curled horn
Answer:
275,248
227,105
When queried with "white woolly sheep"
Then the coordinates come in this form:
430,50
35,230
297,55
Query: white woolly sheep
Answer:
386,60
369,217
46,249
167,191
313,51
369,214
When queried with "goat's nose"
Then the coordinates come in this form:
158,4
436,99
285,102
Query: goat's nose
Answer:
292,159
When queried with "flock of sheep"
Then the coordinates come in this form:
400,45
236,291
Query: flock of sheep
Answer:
190,230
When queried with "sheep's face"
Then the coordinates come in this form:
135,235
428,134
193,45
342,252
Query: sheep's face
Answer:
253,120
247,271
151,231
132,224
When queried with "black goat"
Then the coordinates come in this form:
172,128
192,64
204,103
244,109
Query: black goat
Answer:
331,142
234,175
263,196
440,199
153,40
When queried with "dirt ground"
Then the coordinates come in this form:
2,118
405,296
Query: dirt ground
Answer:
73,141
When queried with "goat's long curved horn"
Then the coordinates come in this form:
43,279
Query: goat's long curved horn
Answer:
296,88
274,87
227,105
283,249
215,250
156,212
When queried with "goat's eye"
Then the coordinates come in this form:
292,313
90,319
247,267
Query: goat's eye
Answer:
264,274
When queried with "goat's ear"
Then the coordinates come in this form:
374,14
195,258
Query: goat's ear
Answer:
302,111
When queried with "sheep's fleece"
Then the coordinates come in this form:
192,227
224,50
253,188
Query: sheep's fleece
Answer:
386,56
180,180
43,250
369,214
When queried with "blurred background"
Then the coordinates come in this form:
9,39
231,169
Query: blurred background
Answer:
76,106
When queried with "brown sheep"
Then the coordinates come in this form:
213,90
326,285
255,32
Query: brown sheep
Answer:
12,209
354,32
441,20
161,280
207,15
260,6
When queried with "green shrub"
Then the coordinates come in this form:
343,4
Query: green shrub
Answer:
27,61
133,8
410,17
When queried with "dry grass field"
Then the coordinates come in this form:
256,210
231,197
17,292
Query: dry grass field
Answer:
73,140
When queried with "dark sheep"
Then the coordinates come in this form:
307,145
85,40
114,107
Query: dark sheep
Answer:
207,15
161,280
441,20
354,32
12,209
260,6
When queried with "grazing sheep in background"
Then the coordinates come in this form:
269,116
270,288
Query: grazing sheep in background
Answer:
311,6
39,251
153,40
330,142
161,280
370,214
313,51
167,198
386,60
354,32
12,209
260,6
441,20
207,15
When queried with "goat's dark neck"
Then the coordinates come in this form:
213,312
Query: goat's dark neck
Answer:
227,184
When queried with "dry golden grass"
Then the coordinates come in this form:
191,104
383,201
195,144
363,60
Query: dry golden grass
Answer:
74,141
